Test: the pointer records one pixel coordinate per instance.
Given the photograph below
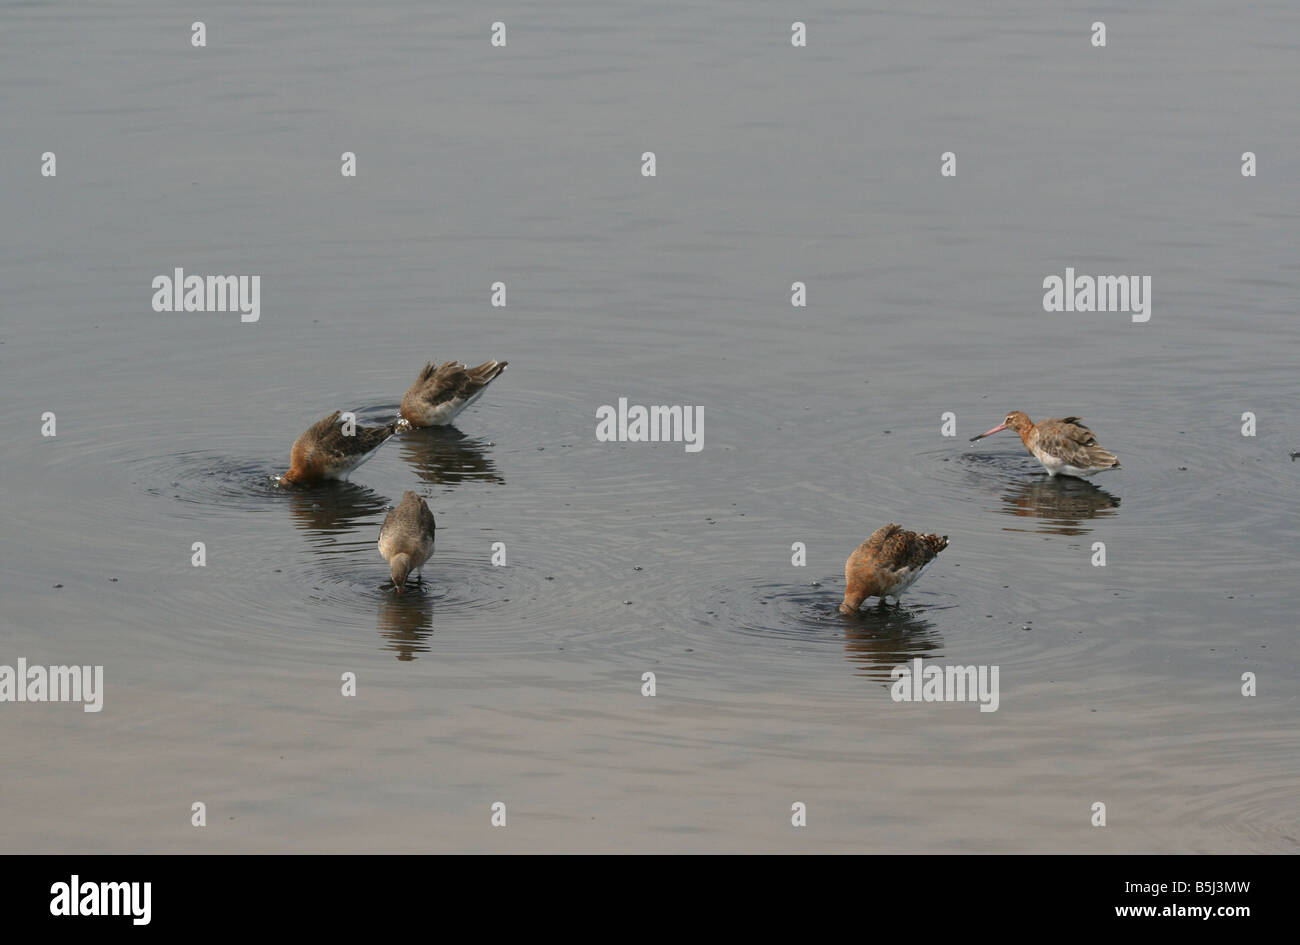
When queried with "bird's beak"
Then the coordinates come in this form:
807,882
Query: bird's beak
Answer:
997,429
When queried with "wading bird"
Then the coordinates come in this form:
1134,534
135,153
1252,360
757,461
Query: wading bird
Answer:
1064,447
886,564
406,537
442,391
332,448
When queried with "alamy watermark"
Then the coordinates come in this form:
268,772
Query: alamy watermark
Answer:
1098,294
100,899
23,683
654,424
917,682
181,293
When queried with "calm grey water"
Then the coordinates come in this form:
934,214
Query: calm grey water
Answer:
522,684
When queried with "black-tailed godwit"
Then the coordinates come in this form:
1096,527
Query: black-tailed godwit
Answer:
406,537
886,564
332,448
442,391
1064,446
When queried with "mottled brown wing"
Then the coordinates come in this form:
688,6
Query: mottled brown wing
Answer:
323,428
896,548
363,440
1070,440
488,371
455,381
315,438
1072,428
878,540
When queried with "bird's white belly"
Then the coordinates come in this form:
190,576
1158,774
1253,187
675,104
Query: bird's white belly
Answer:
445,412
1056,466
905,579
349,466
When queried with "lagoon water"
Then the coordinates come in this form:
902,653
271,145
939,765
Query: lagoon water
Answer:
522,684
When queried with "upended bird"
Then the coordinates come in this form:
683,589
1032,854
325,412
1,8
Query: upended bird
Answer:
331,448
886,564
442,391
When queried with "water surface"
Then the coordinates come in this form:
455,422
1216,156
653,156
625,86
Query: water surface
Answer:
523,683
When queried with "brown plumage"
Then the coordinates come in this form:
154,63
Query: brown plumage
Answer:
886,564
1063,446
406,537
326,451
444,390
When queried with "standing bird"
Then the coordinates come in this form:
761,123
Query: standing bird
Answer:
332,448
1062,446
442,391
886,564
406,537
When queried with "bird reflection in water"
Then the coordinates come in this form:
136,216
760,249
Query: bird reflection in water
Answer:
341,518
406,622
333,511
1062,505
445,455
884,636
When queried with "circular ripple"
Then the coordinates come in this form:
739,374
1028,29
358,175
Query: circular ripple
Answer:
806,618
561,588
208,480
